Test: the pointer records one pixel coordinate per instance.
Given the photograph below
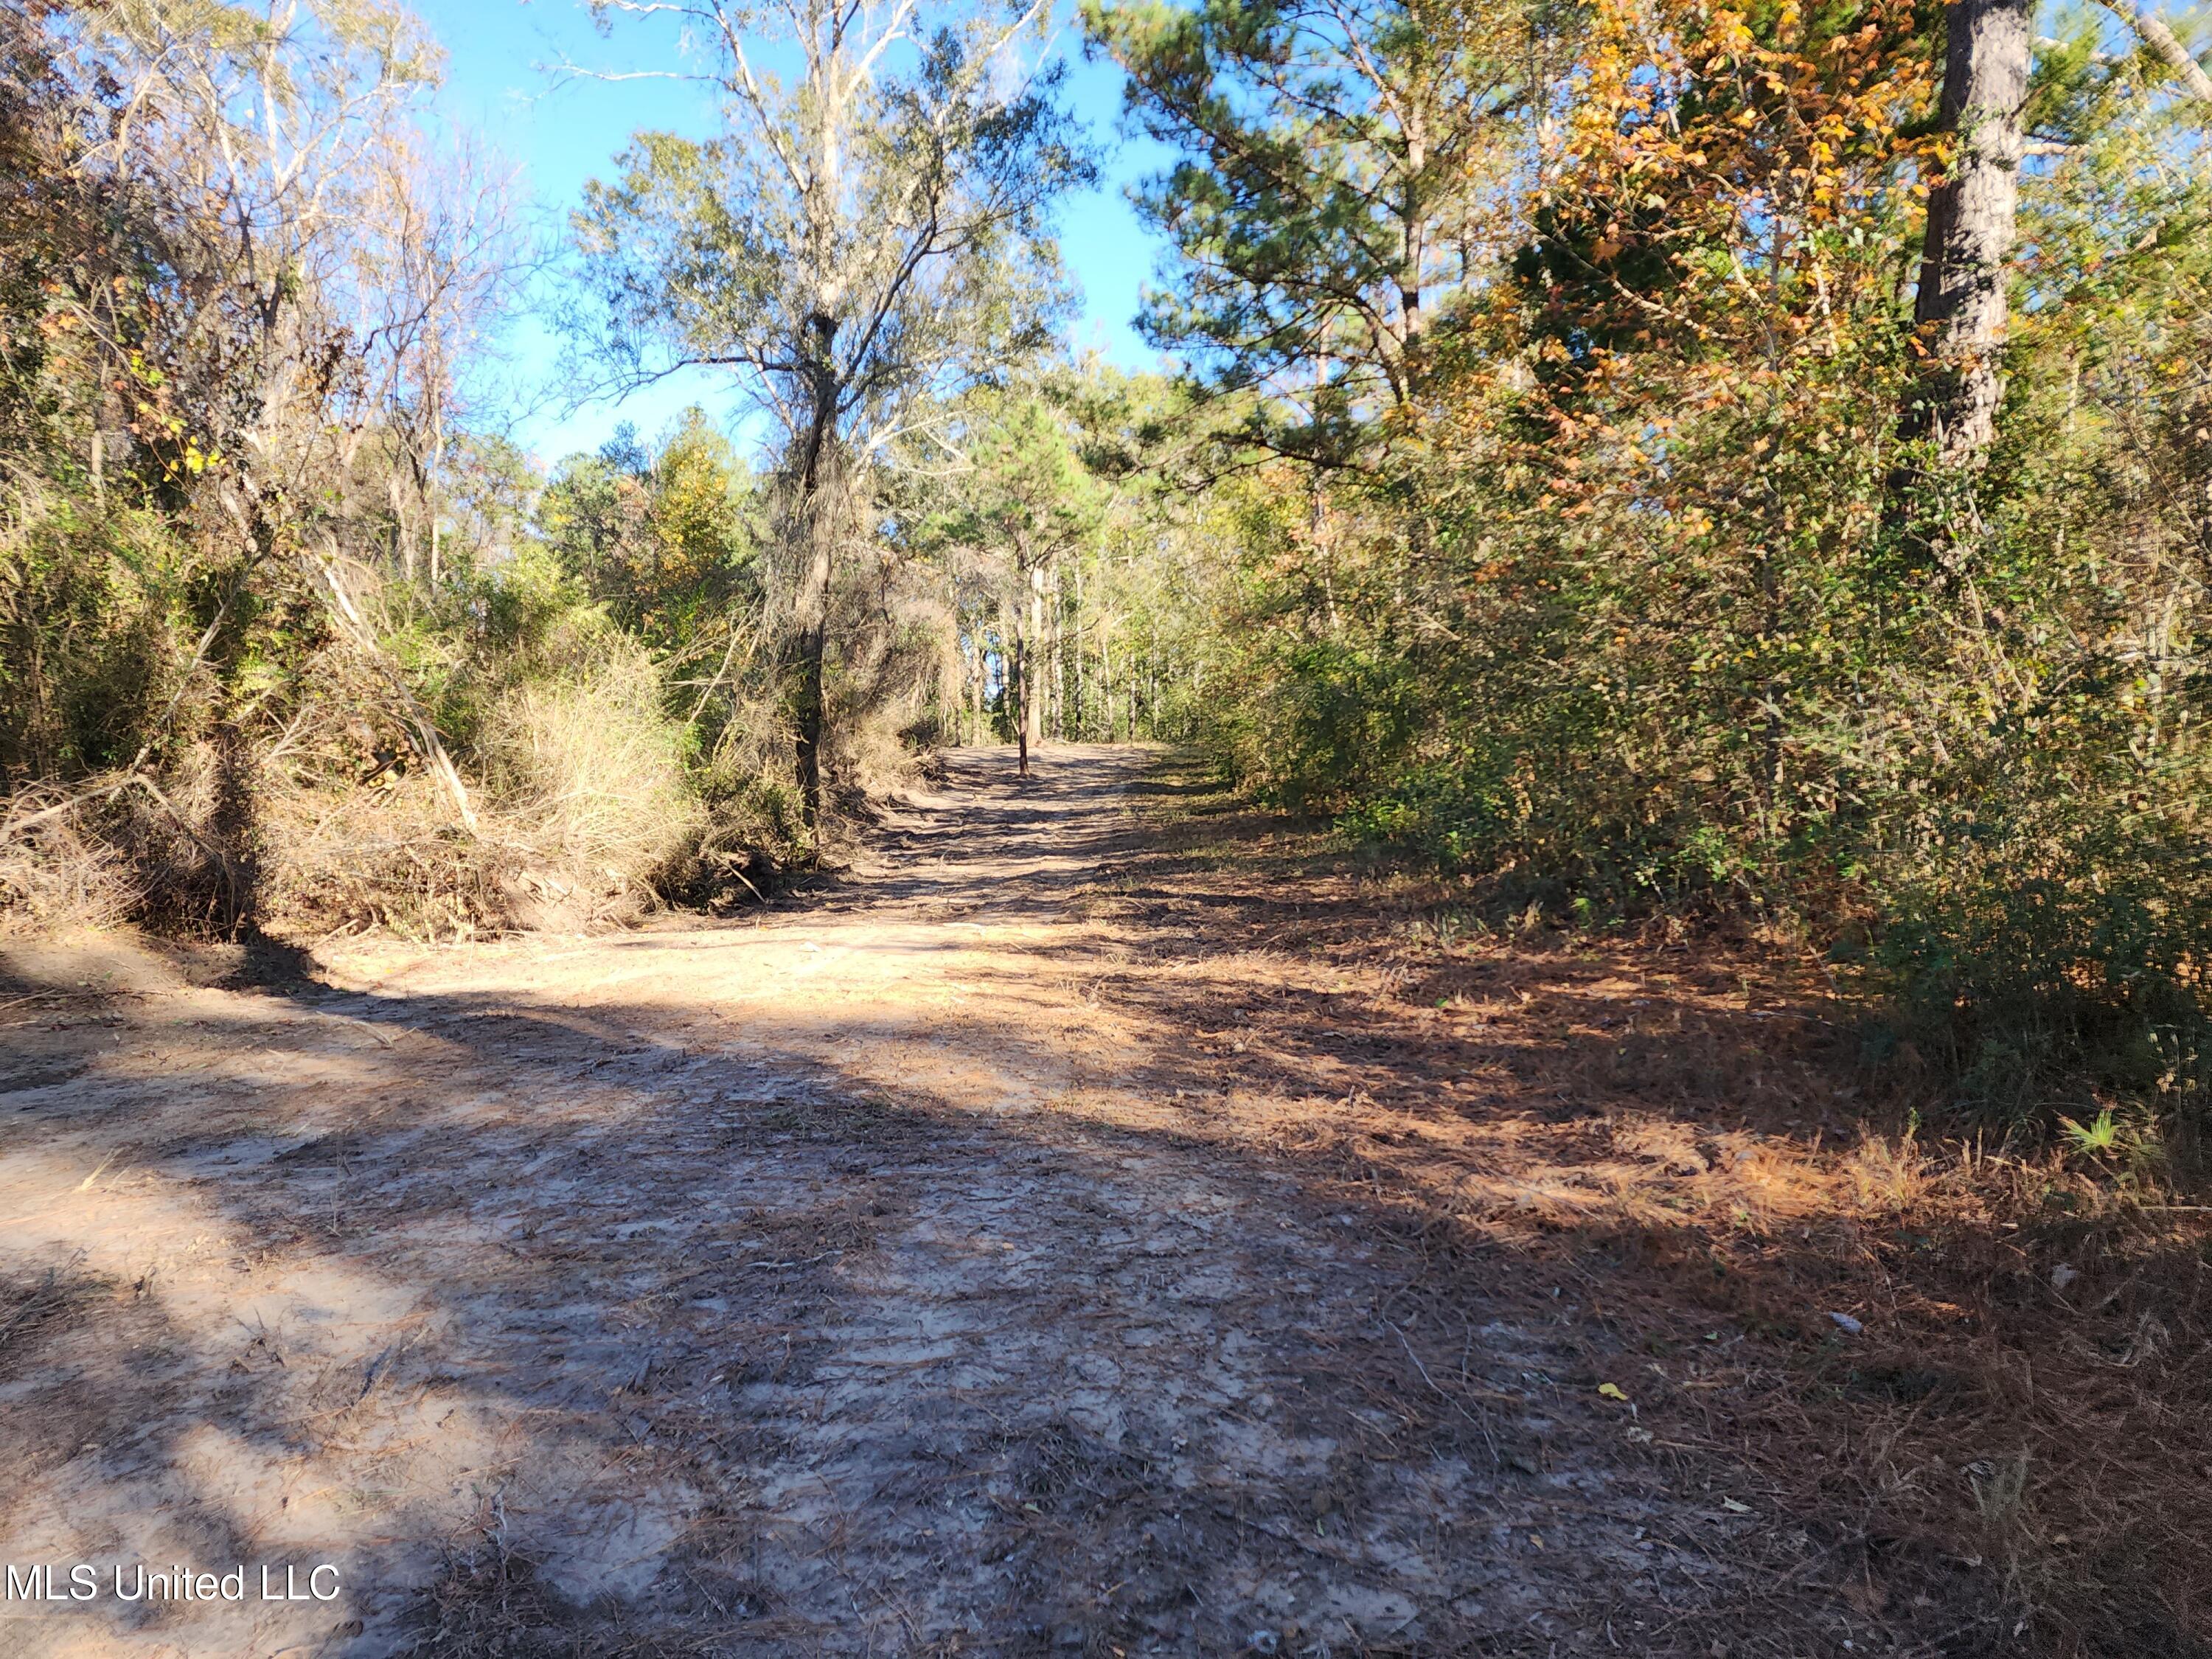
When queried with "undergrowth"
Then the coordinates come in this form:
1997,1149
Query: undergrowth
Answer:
1956,1375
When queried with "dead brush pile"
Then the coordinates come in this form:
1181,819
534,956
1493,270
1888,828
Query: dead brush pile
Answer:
169,849
389,855
582,806
582,802
55,878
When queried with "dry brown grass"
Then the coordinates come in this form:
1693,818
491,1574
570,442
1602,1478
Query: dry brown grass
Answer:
54,878
584,771
581,799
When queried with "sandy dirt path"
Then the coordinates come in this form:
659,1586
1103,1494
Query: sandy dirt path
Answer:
881,1273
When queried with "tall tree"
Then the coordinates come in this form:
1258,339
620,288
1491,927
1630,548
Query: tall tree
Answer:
251,335
1345,173
867,232
1962,306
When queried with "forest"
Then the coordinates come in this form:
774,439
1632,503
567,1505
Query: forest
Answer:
1729,481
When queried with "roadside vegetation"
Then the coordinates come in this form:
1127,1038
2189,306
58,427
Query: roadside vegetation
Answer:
297,640
1952,1376
1637,552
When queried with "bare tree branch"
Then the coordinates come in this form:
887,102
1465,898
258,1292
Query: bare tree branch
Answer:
2154,31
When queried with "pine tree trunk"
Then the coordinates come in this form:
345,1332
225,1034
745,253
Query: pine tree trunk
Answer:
1076,633
1967,254
979,673
1056,667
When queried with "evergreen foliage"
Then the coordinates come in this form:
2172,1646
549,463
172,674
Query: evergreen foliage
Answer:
1660,598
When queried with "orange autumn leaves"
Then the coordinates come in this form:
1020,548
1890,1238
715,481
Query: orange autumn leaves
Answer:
1744,165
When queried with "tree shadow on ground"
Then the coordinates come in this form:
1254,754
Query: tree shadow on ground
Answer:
1679,1132
676,1339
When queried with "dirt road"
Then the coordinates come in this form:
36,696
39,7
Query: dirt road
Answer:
911,1268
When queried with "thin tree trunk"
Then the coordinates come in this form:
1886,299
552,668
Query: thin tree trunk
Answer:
1082,691
1414,259
1032,715
436,468
1967,254
1009,663
818,507
811,618
1056,665
401,537
1020,686
971,693
1106,677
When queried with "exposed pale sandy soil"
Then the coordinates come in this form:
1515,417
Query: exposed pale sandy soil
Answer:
923,1265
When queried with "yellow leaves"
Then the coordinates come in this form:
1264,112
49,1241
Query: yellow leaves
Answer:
193,461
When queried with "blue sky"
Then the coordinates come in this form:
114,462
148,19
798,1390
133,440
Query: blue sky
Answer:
559,131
